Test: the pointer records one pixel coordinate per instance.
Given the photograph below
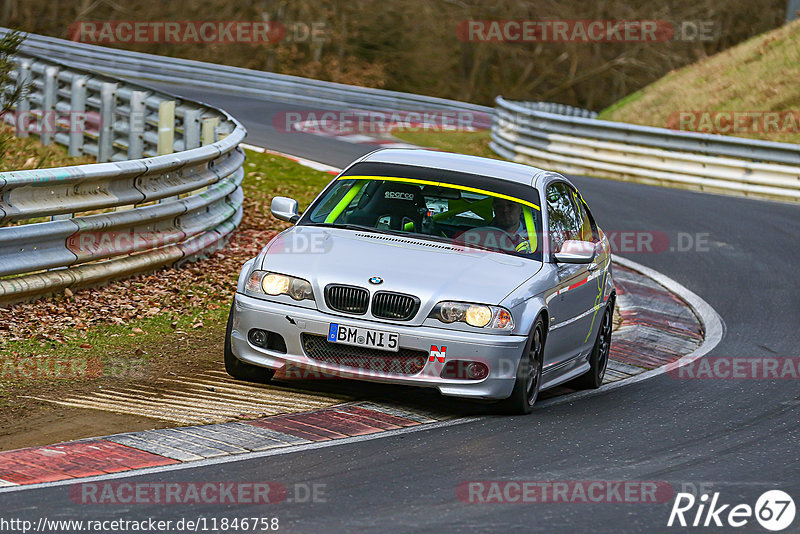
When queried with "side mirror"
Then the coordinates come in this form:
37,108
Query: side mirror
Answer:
285,209
576,252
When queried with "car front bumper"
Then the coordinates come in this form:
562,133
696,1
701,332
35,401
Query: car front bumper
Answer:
501,353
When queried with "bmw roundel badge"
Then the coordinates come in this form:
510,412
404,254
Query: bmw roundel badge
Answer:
376,280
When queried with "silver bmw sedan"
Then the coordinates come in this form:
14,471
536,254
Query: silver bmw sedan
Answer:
482,278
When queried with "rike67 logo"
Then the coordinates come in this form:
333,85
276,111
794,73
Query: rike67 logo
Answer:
774,510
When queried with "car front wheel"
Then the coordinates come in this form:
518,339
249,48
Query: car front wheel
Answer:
529,375
239,369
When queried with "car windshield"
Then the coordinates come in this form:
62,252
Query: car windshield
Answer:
439,211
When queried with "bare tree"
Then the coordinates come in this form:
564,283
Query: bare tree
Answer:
10,90
414,45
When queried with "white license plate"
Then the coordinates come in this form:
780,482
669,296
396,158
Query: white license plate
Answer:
363,337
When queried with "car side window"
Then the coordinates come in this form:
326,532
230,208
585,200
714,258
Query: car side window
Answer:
588,230
564,222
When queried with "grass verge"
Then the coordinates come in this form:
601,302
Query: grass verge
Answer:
473,143
759,75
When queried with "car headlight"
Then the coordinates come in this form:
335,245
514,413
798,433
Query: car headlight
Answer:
478,315
267,283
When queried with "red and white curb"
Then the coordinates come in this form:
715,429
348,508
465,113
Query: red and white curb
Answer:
658,328
120,453
712,325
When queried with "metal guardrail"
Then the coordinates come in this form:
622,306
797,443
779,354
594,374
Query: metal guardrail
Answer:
276,87
166,190
104,117
558,109
579,144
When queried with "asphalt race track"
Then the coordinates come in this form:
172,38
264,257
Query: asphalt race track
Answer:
735,437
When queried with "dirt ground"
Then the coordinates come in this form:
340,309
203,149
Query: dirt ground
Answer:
26,422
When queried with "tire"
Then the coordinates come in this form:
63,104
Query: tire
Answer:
239,369
529,375
598,360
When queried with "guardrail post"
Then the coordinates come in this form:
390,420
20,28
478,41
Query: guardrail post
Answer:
166,127
136,125
108,104
60,217
21,117
166,133
48,118
77,118
210,130
191,129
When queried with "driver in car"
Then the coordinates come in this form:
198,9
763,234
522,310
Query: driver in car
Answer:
507,217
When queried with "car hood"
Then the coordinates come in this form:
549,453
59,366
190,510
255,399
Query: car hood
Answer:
429,270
